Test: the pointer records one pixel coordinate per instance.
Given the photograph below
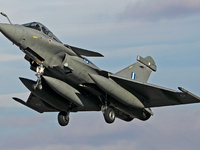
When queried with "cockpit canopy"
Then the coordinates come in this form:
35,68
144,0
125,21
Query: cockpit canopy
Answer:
40,27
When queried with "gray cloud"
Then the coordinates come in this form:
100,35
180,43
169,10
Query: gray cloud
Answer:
7,101
170,128
152,10
10,57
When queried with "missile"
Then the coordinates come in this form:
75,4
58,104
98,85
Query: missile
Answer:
71,94
115,90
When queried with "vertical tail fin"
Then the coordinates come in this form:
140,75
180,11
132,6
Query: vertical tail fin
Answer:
139,71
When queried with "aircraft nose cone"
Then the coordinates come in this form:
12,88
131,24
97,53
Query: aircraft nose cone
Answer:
8,30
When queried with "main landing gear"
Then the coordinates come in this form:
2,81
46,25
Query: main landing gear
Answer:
109,114
39,73
63,118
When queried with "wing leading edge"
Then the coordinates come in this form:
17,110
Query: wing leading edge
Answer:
84,52
156,96
36,104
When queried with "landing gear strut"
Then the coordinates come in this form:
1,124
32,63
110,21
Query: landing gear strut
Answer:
63,118
39,73
108,112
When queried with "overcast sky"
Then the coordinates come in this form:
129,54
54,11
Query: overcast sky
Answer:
169,31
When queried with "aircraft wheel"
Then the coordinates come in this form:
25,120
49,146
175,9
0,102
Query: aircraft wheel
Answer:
34,87
146,116
109,115
39,87
63,118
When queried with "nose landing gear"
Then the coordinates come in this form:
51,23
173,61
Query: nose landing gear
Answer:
39,73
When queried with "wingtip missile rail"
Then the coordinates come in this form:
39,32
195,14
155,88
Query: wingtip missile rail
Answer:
187,92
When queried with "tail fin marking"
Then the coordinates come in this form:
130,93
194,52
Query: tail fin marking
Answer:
140,70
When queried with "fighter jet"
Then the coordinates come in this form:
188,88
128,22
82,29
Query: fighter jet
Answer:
68,82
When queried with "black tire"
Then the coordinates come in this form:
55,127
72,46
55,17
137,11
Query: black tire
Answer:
63,118
39,87
34,86
146,116
109,115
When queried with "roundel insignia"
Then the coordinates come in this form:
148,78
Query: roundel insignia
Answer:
86,61
50,40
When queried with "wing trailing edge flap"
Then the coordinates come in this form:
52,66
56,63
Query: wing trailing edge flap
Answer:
84,52
36,104
155,96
